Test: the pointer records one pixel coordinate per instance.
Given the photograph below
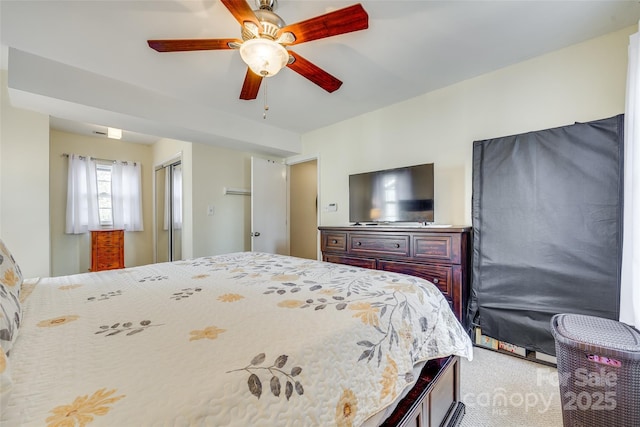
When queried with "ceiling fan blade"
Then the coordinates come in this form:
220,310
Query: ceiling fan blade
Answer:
191,44
241,10
352,18
251,85
314,73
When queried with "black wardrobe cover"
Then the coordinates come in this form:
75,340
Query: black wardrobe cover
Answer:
547,223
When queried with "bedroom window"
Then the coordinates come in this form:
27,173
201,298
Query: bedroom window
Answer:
103,194
103,175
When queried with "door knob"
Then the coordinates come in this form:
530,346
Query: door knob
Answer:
256,234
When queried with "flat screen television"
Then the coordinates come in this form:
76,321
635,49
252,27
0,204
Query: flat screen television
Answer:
392,195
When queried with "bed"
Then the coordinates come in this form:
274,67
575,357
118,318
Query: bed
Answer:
230,340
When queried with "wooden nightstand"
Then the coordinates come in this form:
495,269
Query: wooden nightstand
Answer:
107,249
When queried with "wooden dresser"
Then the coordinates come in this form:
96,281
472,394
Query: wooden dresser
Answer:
107,249
440,255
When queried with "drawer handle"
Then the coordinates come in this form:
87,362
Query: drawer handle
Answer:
358,243
334,241
397,245
435,280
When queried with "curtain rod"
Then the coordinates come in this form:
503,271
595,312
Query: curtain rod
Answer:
99,159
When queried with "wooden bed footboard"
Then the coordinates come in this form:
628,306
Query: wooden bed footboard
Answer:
434,400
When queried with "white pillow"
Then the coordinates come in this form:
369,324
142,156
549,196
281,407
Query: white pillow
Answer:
10,274
10,317
6,384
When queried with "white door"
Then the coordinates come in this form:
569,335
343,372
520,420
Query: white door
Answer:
269,207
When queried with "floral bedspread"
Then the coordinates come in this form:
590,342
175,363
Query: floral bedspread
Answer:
245,339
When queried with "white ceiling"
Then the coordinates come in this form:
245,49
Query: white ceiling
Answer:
87,63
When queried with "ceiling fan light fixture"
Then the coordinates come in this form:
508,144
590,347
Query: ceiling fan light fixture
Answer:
264,57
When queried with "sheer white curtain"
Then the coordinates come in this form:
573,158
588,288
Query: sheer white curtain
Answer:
630,286
126,193
82,195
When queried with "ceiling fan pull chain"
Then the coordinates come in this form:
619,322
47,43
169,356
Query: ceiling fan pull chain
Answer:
266,106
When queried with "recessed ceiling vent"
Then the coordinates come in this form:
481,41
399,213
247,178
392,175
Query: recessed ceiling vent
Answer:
113,133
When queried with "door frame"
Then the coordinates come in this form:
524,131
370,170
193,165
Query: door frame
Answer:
302,159
174,159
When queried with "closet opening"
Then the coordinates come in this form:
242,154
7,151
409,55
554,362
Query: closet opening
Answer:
168,211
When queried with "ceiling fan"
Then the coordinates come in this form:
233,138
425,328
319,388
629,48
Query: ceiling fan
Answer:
265,38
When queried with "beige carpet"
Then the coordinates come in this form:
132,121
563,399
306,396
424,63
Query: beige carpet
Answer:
502,390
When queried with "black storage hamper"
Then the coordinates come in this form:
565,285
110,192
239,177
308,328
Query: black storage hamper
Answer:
598,371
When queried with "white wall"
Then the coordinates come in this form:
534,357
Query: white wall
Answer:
228,230
24,185
580,83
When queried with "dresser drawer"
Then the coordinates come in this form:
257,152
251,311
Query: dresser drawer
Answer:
437,247
334,242
356,262
107,263
109,238
441,276
379,244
